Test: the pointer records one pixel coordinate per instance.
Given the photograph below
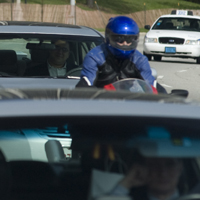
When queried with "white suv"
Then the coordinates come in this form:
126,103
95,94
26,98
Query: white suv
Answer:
173,35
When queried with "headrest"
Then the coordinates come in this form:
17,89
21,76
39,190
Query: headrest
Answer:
169,25
33,175
54,151
8,61
8,57
39,56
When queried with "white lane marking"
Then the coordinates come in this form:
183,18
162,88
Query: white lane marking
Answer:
166,85
182,70
160,77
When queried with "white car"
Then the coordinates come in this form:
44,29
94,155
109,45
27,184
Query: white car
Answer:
173,35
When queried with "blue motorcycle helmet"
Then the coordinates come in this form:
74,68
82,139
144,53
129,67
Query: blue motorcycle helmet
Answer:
122,36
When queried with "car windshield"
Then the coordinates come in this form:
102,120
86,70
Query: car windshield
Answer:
21,53
177,23
100,157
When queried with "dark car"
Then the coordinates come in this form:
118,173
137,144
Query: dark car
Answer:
26,46
110,133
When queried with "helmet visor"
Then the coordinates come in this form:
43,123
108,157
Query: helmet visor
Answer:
124,42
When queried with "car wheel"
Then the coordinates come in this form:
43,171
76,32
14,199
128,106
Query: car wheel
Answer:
147,55
198,60
157,58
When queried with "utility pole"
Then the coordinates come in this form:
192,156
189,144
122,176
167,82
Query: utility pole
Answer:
75,13
42,12
100,13
11,8
144,14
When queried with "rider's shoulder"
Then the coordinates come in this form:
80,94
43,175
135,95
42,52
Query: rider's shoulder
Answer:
138,53
138,56
99,50
101,47
98,54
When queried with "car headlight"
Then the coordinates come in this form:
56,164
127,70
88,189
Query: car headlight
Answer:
150,40
192,42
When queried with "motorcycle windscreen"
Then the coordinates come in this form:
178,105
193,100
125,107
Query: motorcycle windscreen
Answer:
133,85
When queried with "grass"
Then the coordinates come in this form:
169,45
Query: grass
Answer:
124,6
84,7
143,30
100,29
130,6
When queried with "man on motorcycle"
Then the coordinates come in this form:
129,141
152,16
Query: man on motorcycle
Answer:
117,58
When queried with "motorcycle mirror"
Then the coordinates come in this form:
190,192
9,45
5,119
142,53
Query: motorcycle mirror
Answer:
179,92
154,73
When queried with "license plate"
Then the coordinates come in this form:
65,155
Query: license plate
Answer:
170,49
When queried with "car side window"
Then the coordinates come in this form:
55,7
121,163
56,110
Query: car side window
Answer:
18,45
84,48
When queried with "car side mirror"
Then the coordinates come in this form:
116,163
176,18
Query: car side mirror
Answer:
179,92
147,27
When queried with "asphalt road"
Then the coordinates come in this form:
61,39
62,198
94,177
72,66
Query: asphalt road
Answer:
176,73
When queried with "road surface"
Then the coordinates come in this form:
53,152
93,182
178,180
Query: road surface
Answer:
176,73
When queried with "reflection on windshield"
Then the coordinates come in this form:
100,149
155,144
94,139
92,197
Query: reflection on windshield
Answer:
159,178
133,85
141,162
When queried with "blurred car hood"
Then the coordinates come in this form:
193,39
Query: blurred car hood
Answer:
40,82
90,101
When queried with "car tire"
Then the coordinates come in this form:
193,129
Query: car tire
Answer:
157,58
147,55
198,60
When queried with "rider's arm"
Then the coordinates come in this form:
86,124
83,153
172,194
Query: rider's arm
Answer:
143,66
90,65
89,72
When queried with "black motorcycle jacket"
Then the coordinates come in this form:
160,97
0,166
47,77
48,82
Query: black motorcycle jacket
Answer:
113,70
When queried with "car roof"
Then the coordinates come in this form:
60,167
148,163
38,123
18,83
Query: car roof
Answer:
93,102
180,16
22,27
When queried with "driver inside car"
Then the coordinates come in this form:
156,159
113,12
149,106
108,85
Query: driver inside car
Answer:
158,179
57,62
117,58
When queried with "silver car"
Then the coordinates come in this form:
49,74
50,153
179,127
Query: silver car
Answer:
26,45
